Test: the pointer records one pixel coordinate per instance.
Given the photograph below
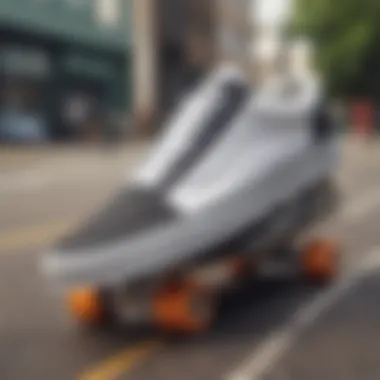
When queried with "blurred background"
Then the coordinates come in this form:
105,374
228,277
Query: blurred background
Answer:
77,70
97,70
80,75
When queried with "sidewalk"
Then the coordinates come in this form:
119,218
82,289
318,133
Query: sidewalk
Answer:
39,166
16,159
25,169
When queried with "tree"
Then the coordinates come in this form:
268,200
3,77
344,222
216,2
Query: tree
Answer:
346,37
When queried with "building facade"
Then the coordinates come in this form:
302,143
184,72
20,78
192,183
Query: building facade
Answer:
174,46
65,67
176,42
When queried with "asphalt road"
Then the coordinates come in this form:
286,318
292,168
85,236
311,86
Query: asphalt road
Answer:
277,330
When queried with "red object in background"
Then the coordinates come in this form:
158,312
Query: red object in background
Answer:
362,117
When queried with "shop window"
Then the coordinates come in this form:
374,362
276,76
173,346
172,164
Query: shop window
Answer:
107,12
21,113
82,111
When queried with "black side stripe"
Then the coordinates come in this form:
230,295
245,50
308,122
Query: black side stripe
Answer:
131,212
234,95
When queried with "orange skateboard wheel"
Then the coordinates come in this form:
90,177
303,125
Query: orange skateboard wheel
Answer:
320,260
184,309
86,305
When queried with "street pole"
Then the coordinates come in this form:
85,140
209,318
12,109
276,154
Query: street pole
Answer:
235,34
145,65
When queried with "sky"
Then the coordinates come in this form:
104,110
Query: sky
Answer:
271,12
269,15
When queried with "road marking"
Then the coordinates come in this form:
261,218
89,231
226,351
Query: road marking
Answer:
32,237
273,348
121,363
357,209
270,352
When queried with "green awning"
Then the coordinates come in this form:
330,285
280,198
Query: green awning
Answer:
68,20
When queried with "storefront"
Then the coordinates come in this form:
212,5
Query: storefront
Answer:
92,94
65,73
59,93
24,76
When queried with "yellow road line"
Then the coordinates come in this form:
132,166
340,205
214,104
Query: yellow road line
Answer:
121,363
33,236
